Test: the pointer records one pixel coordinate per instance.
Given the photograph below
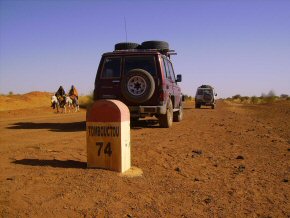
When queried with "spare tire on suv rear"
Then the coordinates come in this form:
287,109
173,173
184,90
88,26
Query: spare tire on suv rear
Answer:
138,86
126,45
155,45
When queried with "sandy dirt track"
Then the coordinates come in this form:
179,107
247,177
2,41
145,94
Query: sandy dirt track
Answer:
233,161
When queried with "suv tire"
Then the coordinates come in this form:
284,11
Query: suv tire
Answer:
138,86
165,120
126,45
178,115
155,45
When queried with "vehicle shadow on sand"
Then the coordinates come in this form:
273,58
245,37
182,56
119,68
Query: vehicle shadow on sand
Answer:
55,127
52,163
140,124
194,108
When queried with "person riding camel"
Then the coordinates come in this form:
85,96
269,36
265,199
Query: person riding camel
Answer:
60,94
73,94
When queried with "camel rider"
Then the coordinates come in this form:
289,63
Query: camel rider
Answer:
60,94
73,94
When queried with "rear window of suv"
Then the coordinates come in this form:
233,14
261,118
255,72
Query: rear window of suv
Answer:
111,68
144,62
204,91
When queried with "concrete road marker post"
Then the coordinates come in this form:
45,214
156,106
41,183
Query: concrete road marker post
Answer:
108,136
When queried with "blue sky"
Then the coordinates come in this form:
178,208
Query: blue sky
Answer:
239,47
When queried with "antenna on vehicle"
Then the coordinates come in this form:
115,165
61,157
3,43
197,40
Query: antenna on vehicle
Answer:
125,27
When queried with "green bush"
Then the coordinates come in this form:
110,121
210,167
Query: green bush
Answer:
254,100
245,98
236,97
271,94
188,98
270,99
284,96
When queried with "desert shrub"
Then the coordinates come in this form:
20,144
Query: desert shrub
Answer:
254,100
270,99
10,93
86,100
284,96
245,98
271,94
236,97
188,98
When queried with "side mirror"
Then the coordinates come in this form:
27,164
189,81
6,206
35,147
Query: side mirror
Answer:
178,78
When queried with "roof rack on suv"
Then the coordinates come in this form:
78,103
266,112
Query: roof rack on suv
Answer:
159,46
205,86
162,51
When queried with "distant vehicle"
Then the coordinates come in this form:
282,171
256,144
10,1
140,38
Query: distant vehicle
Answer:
205,95
142,77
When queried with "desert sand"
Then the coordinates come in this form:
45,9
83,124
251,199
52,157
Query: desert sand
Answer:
233,161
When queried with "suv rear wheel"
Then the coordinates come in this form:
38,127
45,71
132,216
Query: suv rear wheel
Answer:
178,115
138,86
165,120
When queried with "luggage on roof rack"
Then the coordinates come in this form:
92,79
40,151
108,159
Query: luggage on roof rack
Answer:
205,86
160,45
126,45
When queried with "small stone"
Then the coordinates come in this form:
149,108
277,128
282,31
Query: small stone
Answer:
240,157
197,151
177,169
285,180
11,178
288,149
129,215
241,168
196,179
207,200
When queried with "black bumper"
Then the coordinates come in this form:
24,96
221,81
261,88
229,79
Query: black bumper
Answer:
138,111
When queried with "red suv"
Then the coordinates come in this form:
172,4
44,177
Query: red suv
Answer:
142,77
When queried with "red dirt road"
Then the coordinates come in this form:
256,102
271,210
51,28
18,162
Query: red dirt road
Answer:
233,161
